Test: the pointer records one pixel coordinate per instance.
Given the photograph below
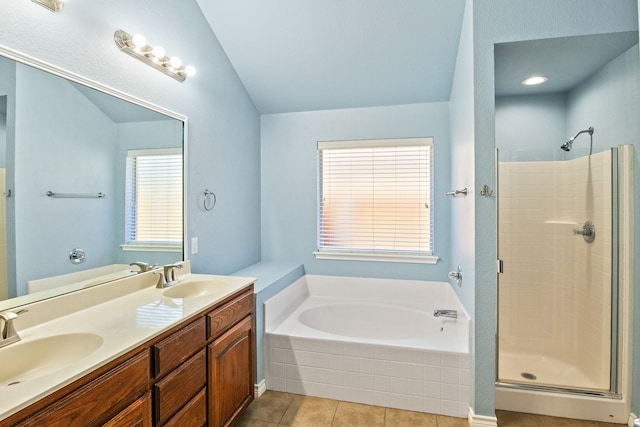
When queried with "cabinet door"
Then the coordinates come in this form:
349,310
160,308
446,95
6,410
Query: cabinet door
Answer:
231,373
138,414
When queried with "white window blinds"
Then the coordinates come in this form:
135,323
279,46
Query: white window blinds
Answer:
375,197
153,198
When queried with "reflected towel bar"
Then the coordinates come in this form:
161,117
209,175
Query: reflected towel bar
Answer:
77,195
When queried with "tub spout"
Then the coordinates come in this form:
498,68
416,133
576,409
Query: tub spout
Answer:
445,313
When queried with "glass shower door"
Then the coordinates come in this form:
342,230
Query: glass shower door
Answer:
556,229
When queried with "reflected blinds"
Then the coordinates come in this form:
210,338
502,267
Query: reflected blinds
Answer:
375,196
154,197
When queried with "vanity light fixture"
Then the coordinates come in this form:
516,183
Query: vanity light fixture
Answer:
137,47
534,80
52,5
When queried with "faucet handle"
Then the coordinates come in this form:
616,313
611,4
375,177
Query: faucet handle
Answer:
9,333
170,272
162,281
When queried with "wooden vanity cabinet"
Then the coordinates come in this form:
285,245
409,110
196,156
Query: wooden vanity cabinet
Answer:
198,374
101,400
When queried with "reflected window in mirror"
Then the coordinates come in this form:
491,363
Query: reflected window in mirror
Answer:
153,205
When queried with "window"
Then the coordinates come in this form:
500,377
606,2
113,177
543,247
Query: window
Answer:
153,200
375,199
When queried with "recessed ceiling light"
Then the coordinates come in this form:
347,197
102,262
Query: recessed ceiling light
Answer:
534,80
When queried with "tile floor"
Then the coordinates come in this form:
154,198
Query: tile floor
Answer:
285,409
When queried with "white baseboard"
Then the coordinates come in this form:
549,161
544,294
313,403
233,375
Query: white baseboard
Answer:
481,420
260,388
632,419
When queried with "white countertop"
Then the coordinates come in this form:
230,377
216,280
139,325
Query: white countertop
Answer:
123,323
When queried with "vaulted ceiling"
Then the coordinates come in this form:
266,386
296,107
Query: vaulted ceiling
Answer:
307,55
300,55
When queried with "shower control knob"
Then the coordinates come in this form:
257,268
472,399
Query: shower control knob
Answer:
456,275
588,231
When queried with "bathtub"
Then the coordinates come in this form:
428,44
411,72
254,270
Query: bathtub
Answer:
372,341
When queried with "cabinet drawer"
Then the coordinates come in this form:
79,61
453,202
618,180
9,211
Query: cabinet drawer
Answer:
138,414
173,391
101,399
177,348
229,314
193,414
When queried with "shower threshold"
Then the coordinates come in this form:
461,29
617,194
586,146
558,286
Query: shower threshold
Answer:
556,389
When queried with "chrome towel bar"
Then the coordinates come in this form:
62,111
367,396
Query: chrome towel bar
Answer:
77,195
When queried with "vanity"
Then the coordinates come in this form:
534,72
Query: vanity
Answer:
127,353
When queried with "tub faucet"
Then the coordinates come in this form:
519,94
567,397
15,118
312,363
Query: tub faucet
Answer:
445,313
9,334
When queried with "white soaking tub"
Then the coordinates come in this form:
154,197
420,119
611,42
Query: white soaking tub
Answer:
373,341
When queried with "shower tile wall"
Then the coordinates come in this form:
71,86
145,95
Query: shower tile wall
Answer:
555,293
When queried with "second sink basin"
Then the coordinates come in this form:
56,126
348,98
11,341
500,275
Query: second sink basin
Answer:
191,289
27,360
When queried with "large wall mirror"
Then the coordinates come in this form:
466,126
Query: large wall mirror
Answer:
74,208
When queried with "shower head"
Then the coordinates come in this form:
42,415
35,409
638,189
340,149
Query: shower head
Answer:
567,145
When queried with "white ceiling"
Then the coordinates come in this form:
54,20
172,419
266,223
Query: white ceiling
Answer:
302,55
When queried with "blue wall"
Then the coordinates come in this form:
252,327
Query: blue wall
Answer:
289,182
531,127
609,100
70,151
223,126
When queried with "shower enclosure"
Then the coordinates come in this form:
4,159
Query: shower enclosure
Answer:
558,240
565,226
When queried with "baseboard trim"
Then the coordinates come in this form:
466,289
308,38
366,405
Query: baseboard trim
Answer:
481,420
260,388
632,419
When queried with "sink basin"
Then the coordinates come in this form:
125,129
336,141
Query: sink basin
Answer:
28,360
196,288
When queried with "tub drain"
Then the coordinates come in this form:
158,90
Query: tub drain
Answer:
528,376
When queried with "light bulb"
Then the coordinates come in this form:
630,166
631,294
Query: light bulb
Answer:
158,52
189,71
175,62
139,41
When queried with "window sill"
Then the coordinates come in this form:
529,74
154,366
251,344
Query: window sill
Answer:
346,256
149,247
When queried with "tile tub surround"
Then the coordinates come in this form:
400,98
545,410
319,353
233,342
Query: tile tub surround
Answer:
413,374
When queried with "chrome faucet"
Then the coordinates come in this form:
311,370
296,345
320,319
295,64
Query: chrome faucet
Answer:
445,313
168,275
143,266
9,334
